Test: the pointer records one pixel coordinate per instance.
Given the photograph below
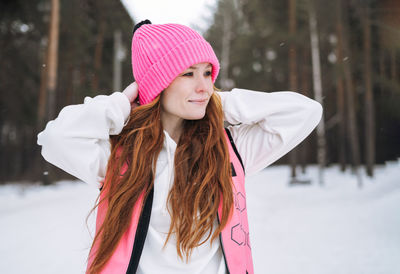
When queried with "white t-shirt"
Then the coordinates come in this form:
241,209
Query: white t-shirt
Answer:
205,259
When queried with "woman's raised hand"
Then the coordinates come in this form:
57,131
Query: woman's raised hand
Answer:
131,92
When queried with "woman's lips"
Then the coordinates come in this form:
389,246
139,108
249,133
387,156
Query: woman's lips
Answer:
198,101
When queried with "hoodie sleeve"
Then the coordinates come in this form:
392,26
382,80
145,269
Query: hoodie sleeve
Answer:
77,141
266,126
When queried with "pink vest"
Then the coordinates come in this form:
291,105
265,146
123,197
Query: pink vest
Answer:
235,241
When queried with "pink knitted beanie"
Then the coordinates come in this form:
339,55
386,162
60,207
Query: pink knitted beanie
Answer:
161,52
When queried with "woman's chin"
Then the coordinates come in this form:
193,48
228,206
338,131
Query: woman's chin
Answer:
196,116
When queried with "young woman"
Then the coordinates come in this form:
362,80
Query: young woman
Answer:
171,178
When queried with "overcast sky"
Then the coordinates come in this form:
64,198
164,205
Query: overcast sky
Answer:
194,13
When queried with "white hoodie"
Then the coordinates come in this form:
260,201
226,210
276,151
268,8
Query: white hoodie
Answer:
266,126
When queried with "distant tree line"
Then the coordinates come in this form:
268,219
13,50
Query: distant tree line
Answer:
266,45
343,53
85,56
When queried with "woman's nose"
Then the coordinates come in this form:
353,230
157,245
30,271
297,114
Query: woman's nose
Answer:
202,84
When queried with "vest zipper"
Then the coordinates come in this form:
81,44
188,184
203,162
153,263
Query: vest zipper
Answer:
222,246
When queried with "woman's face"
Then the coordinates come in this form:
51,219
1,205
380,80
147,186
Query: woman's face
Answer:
188,95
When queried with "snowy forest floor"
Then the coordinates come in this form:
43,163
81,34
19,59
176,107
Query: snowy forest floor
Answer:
336,228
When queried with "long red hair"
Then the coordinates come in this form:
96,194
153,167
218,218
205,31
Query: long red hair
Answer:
202,179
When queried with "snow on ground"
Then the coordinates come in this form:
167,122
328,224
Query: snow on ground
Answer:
337,228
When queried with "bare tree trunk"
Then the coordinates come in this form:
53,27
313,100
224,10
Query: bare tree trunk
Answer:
53,57
292,47
38,163
316,65
42,100
369,98
49,77
340,98
352,121
305,88
293,155
342,123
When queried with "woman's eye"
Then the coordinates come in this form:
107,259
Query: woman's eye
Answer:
188,74
208,73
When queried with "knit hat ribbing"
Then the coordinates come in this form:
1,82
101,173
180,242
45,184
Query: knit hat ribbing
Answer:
161,52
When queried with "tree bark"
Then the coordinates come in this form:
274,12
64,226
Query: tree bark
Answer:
42,100
53,57
341,108
317,83
47,99
305,89
292,54
351,112
369,112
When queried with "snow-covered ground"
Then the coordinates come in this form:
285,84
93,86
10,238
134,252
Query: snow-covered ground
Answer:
337,228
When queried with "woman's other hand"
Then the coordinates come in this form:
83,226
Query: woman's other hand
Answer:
131,92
